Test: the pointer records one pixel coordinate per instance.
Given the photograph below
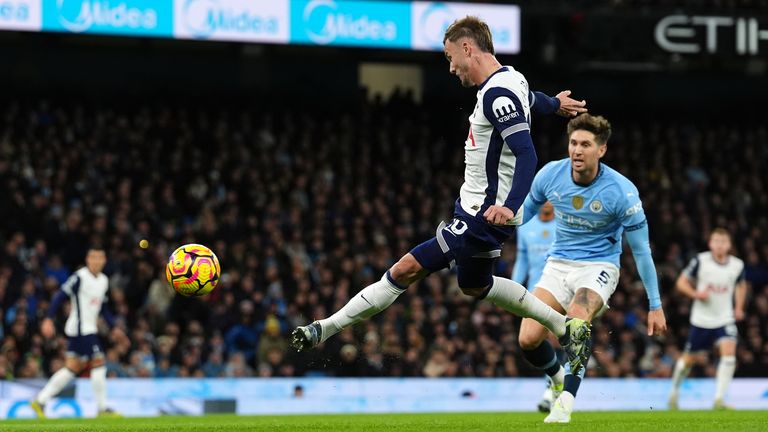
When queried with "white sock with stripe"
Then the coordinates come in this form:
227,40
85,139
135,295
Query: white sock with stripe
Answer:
368,302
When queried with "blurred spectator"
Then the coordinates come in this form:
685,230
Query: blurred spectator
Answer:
302,218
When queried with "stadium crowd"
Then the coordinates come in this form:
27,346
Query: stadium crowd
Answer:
304,209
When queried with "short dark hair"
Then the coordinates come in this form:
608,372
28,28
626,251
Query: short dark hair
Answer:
598,125
96,246
471,27
720,231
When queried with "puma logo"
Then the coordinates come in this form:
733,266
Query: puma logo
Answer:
522,297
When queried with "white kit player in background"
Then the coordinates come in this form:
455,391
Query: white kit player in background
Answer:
86,289
500,164
712,279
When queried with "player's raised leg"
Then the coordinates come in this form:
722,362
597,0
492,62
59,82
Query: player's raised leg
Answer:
412,267
475,279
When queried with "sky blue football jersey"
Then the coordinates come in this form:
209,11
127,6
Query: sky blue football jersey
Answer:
533,242
590,218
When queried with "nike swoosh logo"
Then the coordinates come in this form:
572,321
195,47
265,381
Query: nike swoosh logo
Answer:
366,300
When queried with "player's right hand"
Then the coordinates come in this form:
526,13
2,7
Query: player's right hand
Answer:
498,215
47,328
570,107
657,323
702,295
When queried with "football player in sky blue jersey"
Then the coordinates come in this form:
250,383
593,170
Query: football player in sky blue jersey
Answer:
500,162
594,206
533,242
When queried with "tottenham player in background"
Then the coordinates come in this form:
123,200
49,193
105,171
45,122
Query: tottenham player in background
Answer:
500,165
718,277
533,242
86,290
594,207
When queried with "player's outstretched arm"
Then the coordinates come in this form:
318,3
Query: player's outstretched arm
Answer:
561,104
637,237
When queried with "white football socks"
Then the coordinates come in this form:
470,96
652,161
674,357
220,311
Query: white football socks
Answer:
725,371
99,381
513,297
368,302
58,381
681,371
558,379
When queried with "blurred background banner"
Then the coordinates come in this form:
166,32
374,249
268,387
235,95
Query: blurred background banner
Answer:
125,17
20,15
148,397
431,19
379,24
232,20
354,23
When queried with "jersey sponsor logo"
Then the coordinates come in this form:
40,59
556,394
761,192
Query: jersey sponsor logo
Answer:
578,222
596,206
577,202
717,289
471,138
504,109
637,208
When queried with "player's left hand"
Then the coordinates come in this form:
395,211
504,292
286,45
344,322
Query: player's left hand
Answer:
657,323
570,107
738,314
498,215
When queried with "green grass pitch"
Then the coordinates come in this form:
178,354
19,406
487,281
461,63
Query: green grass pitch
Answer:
679,421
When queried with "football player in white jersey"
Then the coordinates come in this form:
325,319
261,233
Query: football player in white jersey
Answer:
86,289
712,279
500,164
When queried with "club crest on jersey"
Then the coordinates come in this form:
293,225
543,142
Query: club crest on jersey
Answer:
577,202
504,109
596,206
545,233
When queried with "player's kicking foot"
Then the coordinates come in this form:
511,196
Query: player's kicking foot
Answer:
306,337
38,408
576,342
672,402
548,398
561,409
109,413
